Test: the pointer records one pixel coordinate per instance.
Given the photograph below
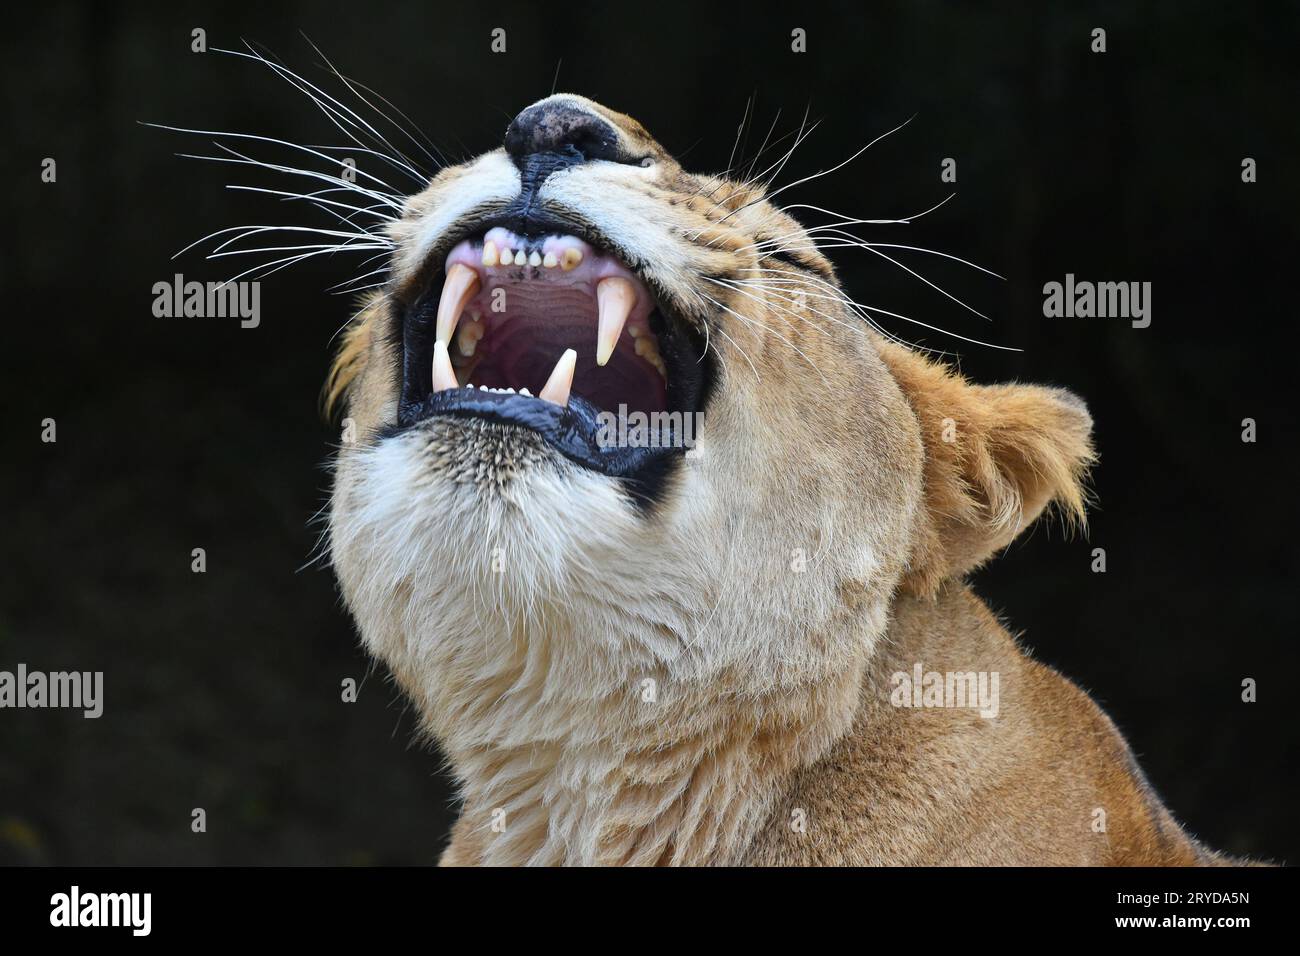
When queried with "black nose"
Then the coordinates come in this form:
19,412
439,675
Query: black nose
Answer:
564,128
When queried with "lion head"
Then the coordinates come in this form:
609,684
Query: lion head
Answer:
630,472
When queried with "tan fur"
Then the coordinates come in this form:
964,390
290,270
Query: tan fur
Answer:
613,686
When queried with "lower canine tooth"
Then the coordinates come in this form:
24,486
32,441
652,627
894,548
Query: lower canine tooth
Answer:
444,376
460,286
556,389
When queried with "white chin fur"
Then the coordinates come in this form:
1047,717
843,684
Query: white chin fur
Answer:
502,606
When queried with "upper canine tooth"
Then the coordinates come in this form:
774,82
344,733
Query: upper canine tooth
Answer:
489,253
570,258
460,286
444,376
615,296
556,389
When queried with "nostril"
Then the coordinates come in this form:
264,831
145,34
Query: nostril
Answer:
549,127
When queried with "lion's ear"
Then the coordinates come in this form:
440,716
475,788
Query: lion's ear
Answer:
995,457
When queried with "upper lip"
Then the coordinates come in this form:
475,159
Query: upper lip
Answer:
572,429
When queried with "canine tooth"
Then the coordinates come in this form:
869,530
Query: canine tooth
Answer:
460,286
556,389
570,258
489,253
615,296
549,261
520,258
535,259
444,376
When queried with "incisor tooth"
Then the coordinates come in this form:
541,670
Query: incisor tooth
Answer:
489,253
444,377
556,389
535,259
460,286
549,261
570,258
615,296
520,258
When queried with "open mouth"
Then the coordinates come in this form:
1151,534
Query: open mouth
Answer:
553,334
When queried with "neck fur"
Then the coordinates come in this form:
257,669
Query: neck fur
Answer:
655,771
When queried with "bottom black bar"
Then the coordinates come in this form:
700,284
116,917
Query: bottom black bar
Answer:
339,905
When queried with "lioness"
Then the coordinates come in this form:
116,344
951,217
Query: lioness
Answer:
758,650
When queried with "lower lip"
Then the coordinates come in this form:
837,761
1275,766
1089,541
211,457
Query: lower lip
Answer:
573,431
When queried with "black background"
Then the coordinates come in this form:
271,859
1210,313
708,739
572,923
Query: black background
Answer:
223,689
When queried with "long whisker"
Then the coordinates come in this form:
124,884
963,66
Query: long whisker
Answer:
780,293
865,310
314,198
337,112
352,85
826,172
277,142
242,160
768,329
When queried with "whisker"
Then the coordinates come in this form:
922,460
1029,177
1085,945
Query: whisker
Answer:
337,112
351,84
770,330
798,182
277,142
864,310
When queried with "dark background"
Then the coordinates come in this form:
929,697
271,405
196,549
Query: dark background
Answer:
223,689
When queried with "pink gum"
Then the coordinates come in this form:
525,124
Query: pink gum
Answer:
594,267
